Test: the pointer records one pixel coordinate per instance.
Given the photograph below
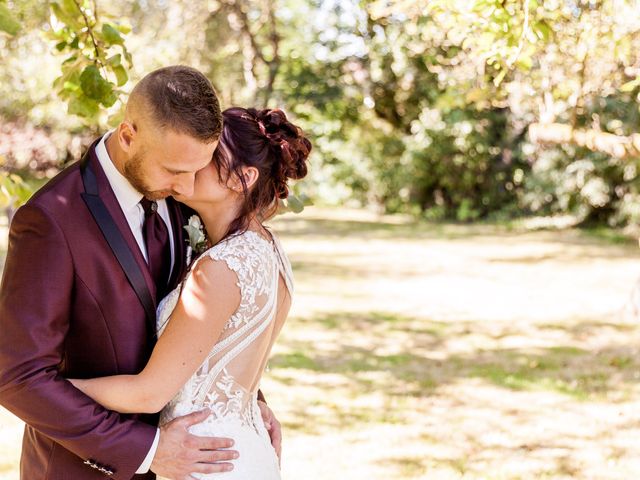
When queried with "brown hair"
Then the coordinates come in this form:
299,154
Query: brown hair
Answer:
266,140
182,99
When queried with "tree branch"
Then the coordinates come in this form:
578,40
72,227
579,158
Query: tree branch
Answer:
244,24
618,146
274,64
90,32
525,31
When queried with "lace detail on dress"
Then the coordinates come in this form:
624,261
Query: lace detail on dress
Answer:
227,381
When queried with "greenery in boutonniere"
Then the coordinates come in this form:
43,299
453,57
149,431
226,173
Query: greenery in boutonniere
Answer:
197,238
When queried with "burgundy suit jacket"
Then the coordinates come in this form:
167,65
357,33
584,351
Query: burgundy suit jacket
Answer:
68,310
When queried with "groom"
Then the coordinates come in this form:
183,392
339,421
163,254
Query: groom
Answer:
90,256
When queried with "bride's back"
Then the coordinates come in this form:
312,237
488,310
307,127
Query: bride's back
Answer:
228,380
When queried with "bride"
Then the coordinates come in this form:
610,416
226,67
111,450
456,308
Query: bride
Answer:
217,328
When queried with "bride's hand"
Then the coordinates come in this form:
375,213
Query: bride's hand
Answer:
273,426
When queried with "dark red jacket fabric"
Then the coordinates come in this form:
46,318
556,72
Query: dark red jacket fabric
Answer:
67,310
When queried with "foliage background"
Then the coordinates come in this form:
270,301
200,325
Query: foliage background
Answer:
462,109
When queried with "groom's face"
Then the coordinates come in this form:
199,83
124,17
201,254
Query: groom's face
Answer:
163,162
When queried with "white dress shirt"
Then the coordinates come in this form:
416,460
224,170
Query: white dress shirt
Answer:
129,199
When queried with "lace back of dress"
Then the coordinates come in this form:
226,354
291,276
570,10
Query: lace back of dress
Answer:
228,380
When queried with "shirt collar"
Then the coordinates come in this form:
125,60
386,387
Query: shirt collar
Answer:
128,197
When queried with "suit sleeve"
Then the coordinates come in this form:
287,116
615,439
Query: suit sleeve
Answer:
35,301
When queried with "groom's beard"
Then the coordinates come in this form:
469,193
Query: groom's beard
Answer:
134,173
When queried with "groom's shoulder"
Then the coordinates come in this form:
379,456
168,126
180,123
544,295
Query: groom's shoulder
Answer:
65,188
54,202
62,191
58,200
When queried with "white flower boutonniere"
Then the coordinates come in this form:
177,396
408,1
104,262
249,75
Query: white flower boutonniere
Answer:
197,239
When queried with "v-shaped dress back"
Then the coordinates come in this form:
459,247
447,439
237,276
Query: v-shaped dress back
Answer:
227,381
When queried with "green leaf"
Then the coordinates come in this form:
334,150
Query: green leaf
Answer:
57,10
17,179
111,35
93,85
498,80
84,107
630,86
543,31
109,99
70,76
8,23
124,28
525,62
67,12
14,191
72,58
128,56
72,87
121,74
70,8
294,204
305,199
115,60
65,94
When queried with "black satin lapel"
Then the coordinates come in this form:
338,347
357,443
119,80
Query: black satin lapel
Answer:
117,242
179,244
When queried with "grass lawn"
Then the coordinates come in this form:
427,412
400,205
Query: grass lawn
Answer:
418,351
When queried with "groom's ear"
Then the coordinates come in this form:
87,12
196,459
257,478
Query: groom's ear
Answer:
126,134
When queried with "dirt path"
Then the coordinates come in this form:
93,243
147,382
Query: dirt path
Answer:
448,352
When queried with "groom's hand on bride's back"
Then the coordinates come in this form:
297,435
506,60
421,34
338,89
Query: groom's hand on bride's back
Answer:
180,453
273,427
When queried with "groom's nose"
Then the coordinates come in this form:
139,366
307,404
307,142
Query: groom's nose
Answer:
184,185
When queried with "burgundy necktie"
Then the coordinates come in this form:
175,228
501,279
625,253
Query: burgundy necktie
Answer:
156,237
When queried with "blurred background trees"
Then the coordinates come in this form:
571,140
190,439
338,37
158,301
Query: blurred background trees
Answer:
463,109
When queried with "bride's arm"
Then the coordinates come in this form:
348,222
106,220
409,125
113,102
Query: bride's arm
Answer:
209,297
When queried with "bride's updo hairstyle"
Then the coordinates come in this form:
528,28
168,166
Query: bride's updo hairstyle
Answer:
266,140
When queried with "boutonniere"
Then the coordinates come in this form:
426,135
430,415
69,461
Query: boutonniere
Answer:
197,239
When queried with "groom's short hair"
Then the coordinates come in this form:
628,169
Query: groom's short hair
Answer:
182,99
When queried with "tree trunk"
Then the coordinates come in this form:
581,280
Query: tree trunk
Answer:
618,146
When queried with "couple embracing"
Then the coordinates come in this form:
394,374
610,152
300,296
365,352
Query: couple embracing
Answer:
124,358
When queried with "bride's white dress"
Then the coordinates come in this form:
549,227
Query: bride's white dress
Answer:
227,382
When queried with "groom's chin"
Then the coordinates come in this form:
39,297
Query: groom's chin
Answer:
160,194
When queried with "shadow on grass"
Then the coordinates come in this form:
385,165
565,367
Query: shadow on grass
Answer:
331,229
396,362
406,466
313,269
587,253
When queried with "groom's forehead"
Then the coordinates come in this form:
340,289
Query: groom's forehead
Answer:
183,153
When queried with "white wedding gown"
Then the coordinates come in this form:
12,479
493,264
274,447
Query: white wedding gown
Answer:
227,381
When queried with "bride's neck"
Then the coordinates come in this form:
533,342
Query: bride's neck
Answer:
218,218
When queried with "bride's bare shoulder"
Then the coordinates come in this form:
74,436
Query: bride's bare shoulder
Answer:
212,279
